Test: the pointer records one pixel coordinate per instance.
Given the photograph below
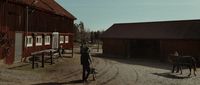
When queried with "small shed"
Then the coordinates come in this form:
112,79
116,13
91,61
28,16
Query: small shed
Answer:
152,39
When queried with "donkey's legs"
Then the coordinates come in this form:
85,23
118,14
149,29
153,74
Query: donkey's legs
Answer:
195,73
173,68
190,70
180,67
194,69
177,68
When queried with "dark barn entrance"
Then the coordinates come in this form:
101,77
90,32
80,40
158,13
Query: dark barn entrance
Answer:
145,48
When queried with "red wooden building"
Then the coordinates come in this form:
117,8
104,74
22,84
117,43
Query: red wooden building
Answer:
27,26
153,39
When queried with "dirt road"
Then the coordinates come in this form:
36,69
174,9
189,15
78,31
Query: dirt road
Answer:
111,71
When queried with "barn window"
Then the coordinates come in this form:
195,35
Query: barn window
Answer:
29,41
38,40
66,39
61,39
47,40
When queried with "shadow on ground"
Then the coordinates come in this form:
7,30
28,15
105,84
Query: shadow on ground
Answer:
24,65
138,61
61,83
172,76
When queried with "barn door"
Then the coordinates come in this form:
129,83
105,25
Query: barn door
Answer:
18,46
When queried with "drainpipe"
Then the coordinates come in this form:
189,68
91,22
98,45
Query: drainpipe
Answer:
27,18
27,22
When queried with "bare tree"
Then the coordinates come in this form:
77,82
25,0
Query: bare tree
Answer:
76,32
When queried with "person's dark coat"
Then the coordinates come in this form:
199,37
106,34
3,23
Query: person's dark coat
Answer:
85,57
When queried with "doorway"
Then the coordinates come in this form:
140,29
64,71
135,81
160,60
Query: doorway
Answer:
55,40
18,47
145,48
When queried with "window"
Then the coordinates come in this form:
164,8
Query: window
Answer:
66,39
47,40
61,39
38,40
29,41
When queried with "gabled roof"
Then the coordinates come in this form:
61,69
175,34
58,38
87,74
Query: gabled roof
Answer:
183,29
48,5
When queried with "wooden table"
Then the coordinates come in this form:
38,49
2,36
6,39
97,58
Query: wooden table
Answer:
42,52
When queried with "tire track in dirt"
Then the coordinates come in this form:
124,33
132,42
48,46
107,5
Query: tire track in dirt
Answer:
112,73
104,69
123,73
137,74
131,70
73,73
78,72
117,70
112,78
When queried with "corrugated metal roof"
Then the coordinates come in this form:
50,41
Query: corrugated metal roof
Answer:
184,29
49,5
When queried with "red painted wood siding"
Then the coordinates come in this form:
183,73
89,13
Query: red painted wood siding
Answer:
116,47
185,47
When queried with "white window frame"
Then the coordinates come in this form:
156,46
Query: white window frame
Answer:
66,39
29,41
47,40
38,40
61,39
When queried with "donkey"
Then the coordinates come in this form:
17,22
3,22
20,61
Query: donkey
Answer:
180,61
187,61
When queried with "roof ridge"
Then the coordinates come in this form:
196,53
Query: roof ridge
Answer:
144,22
47,5
64,9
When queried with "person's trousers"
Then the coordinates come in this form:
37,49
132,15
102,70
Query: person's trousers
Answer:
86,69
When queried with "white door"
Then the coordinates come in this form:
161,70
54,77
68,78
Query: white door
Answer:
55,39
18,47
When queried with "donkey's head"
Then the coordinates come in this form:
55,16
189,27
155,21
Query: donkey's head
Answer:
172,59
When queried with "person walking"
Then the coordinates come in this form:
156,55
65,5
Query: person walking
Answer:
85,61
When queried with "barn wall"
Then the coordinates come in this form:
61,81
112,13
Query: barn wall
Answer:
1,14
13,19
6,31
115,47
184,47
40,23
146,48
1,6
161,48
28,50
68,45
43,22
1,24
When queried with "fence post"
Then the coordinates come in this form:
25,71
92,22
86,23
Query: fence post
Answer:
33,62
43,59
51,54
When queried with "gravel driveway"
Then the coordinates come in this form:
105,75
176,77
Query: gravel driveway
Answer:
111,71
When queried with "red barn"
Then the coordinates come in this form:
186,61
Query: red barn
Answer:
153,39
27,26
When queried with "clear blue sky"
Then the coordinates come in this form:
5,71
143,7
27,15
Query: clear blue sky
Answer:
101,14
